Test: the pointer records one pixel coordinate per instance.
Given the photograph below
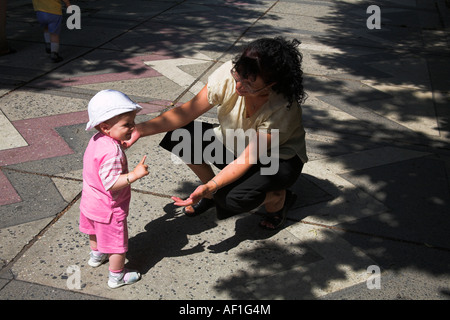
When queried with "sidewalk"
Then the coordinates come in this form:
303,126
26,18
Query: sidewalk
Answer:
375,192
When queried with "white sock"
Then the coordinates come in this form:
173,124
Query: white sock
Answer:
97,253
54,47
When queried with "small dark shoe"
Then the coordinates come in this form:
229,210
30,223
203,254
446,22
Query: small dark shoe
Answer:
56,57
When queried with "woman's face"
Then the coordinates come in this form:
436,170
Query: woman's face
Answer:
247,87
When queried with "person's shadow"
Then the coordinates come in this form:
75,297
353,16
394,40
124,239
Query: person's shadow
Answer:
246,228
166,236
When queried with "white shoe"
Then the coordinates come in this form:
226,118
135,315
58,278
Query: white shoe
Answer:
97,259
117,280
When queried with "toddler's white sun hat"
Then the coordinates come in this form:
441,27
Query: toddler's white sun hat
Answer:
107,104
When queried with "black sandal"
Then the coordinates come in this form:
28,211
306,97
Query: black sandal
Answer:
203,205
278,219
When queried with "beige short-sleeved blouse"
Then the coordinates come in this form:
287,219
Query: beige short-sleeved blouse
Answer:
274,114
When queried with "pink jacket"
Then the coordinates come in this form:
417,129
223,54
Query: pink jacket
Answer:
103,162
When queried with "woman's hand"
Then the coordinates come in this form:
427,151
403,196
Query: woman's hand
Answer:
135,135
199,193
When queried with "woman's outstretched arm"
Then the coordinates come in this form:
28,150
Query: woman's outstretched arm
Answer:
173,118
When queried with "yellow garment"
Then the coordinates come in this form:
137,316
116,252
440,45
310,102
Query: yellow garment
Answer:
274,114
49,6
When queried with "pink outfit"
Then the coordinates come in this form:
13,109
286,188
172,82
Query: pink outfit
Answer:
111,237
104,212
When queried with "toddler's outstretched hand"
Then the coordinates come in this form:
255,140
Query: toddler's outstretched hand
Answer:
141,169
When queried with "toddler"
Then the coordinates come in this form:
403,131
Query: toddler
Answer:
106,191
49,15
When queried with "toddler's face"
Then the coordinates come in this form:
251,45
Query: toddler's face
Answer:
122,128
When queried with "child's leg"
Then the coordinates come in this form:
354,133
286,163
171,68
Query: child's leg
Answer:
113,239
116,262
96,257
54,23
118,275
54,42
93,242
52,27
47,40
88,226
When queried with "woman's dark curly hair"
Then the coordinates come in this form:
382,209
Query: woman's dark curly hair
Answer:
275,60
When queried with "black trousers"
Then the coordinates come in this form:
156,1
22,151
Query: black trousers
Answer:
244,194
